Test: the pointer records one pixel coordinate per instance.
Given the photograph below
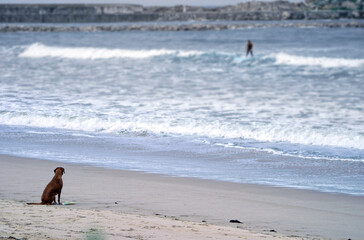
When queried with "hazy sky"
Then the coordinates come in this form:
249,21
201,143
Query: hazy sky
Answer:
141,2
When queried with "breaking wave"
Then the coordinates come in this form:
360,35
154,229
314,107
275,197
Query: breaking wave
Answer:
272,133
38,50
325,62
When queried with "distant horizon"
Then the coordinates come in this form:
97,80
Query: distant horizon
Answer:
211,3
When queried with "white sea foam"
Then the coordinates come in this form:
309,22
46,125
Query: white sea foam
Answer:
271,133
38,50
325,62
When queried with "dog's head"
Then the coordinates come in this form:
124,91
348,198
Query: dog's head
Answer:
60,170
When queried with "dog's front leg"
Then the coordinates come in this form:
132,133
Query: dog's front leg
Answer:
59,198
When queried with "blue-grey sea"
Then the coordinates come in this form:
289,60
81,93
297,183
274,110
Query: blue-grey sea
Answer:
191,104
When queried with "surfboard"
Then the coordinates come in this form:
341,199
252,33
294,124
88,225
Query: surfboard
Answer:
68,203
240,59
248,58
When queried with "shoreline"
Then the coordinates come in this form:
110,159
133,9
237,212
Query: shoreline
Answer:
175,28
289,212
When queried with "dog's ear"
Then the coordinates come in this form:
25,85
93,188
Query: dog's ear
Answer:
64,171
55,170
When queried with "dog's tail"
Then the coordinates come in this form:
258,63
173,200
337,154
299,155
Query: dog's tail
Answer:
34,203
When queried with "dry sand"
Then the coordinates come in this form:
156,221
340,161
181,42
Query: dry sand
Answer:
61,222
116,204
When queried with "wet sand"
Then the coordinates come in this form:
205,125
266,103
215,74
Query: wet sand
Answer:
121,204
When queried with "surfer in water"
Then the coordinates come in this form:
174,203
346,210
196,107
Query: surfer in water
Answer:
249,48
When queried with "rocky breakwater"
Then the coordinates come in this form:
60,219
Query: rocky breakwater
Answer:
182,27
277,10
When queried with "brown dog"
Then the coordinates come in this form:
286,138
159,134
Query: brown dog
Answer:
53,188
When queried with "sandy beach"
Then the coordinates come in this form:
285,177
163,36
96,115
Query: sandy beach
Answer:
116,204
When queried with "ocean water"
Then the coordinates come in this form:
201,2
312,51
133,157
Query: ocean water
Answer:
191,104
